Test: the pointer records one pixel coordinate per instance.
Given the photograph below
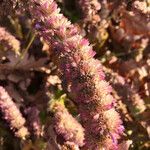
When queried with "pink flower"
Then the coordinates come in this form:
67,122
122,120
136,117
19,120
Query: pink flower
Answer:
8,41
33,120
82,76
67,126
12,115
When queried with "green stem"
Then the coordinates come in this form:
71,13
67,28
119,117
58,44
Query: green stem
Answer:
28,46
26,49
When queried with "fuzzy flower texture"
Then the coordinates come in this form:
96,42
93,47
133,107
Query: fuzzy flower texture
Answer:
82,76
12,115
33,120
8,41
67,126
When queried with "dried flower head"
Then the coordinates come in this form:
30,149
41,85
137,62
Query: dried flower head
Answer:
7,7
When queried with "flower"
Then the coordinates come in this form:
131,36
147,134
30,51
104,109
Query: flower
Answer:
8,41
82,75
67,126
33,120
12,115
